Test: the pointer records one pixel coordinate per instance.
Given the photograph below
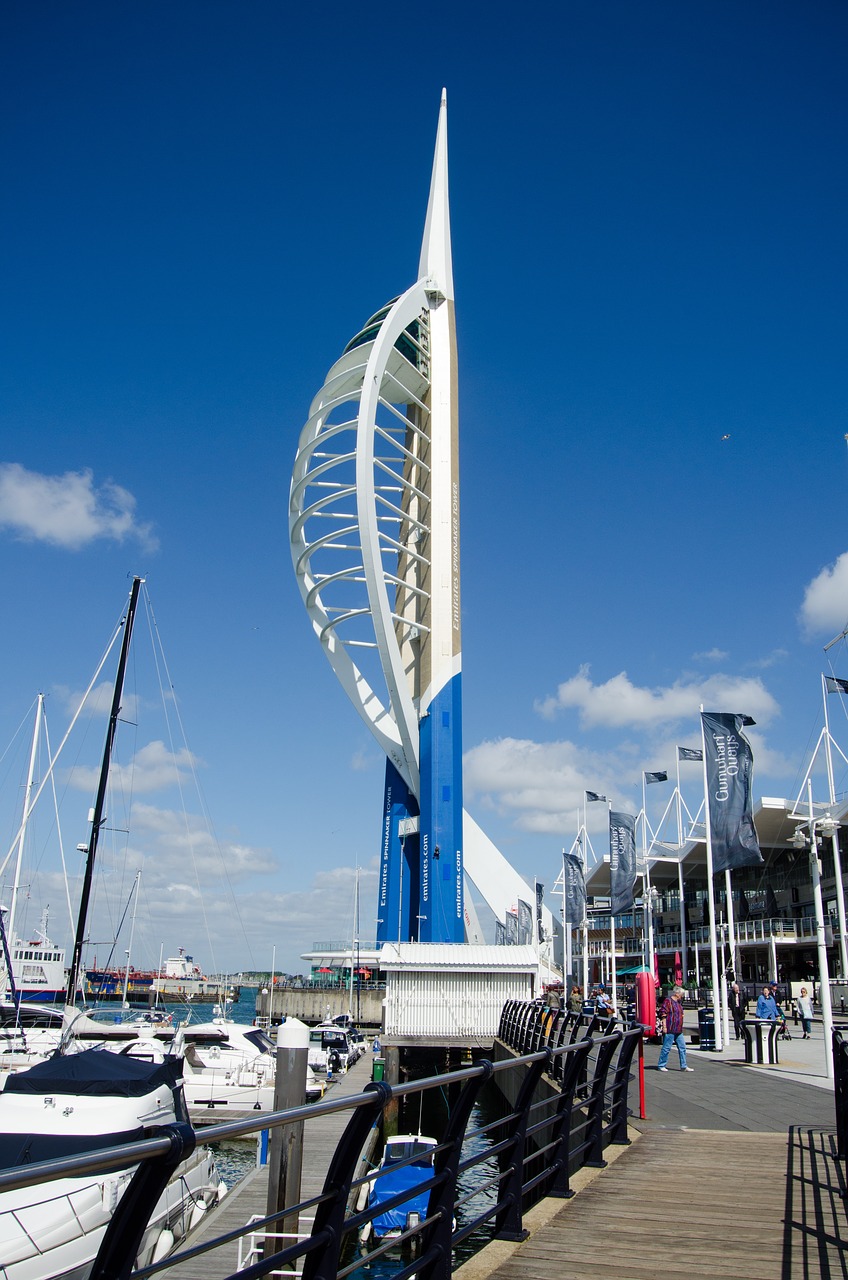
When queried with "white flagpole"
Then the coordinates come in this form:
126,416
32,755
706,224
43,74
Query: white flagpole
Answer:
731,934
683,955
710,900
613,975
837,862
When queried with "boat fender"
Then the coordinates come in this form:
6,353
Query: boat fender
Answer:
163,1246
197,1214
222,1189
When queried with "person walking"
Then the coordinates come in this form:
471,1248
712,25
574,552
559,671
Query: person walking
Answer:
737,1004
671,1020
804,1005
767,1006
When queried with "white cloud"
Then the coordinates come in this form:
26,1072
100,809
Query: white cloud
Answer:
99,700
67,510
540,785
619,703
825,604
711,655
152,768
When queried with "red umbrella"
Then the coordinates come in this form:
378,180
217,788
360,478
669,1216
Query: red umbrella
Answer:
656,969
678,970
595,971
325,971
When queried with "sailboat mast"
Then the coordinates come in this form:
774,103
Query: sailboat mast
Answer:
100,801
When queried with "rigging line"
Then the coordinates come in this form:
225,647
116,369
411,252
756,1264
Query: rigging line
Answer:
26,718
49,774
159,652
59,828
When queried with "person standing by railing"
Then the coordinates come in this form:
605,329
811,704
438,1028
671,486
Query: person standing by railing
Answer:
804,1005
671,1020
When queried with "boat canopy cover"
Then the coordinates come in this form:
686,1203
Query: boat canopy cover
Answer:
31,1148
405,1181
98,1073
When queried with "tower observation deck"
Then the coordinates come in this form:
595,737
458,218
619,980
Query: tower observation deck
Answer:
374,531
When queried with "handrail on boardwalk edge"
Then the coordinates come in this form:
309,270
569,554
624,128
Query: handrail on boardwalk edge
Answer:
569,1090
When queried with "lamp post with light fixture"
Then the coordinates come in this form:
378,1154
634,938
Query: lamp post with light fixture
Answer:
801,840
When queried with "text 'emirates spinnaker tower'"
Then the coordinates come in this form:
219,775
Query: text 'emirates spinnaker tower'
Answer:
374,525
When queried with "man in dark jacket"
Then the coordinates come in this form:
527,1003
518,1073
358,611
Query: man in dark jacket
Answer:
738,1005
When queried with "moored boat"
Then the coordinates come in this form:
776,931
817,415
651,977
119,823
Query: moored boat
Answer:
69,1105
406,1165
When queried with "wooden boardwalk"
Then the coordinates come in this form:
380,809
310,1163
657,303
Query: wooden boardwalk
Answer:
693,1204
249,1198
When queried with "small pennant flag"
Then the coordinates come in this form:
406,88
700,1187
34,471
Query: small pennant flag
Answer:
659,776
689,753
593,795
835,685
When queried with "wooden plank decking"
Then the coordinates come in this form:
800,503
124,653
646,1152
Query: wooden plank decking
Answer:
690,1203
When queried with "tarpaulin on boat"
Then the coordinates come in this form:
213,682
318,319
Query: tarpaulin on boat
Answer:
31,1148
407,1179
97,1073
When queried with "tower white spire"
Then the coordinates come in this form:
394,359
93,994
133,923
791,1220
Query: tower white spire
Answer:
436,263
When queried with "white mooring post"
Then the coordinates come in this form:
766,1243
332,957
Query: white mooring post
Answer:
285,1146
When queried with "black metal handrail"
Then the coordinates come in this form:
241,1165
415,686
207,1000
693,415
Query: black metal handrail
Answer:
570,1103
840,1089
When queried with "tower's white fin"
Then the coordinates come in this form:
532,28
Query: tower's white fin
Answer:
436,263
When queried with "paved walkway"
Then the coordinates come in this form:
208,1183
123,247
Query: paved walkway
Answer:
731,1174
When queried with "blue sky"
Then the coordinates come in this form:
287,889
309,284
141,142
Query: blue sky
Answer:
203,202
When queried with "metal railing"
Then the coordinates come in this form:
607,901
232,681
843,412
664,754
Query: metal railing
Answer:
840,1090
552,1127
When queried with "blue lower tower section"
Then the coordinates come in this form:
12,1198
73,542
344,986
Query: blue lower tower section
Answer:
442,909
399,883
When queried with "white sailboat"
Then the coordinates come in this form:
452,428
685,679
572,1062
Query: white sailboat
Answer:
73,1102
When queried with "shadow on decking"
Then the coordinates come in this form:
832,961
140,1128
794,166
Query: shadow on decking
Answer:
815,1218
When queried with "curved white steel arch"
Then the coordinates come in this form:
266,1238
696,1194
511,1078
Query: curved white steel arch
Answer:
383,467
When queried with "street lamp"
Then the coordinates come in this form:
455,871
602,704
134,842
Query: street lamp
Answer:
802,840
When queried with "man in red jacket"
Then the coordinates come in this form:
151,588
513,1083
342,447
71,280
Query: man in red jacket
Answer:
671,1020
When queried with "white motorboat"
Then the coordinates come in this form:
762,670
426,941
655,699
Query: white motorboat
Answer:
69,1105
226,1064
332,1049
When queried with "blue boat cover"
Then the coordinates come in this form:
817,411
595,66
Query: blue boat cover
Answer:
392,1184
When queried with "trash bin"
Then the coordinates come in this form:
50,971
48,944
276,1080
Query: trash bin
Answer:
706,1028
378,1067
760,1041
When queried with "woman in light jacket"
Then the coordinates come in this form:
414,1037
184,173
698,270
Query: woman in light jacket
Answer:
804,1005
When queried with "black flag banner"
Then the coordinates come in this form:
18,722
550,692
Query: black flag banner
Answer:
525,923
622,838
730,766
689,753
835,685
540,902
500,934
592,796
660,775
575,890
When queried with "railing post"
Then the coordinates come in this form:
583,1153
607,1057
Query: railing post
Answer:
572,1069
122,1239
617,1129
595,1107
508,1224
437,1238
323,1263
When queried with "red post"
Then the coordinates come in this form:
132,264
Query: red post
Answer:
642,1115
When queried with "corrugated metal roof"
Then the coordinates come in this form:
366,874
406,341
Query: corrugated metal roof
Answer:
447,955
